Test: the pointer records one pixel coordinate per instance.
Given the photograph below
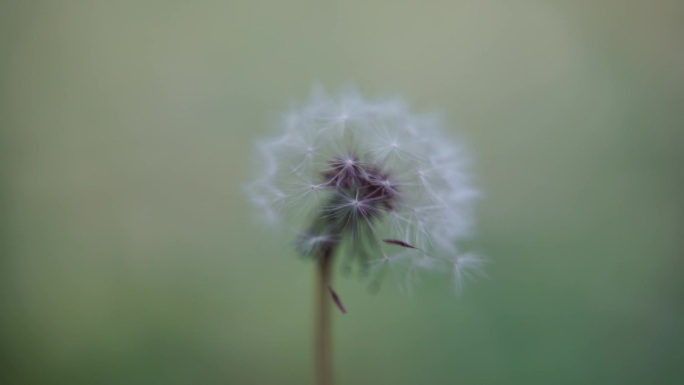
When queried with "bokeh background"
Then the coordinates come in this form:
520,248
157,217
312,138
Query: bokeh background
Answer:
130,256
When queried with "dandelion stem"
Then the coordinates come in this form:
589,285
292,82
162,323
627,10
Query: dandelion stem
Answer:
323,338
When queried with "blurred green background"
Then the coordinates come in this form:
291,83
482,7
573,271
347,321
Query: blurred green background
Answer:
130,256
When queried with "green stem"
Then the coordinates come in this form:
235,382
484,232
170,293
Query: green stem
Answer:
323,338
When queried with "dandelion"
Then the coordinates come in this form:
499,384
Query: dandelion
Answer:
370,180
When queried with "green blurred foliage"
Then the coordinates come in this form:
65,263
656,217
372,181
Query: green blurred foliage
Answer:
129,254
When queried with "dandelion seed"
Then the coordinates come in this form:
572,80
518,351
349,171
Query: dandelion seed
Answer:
399,243
466,267
337,300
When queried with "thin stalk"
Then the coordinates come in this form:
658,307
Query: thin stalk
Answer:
323,338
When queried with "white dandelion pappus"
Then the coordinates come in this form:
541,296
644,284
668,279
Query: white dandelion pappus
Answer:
381,182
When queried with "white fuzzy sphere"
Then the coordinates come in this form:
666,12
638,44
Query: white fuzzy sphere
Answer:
384,184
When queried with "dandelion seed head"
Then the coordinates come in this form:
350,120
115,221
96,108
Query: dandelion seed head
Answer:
347,170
